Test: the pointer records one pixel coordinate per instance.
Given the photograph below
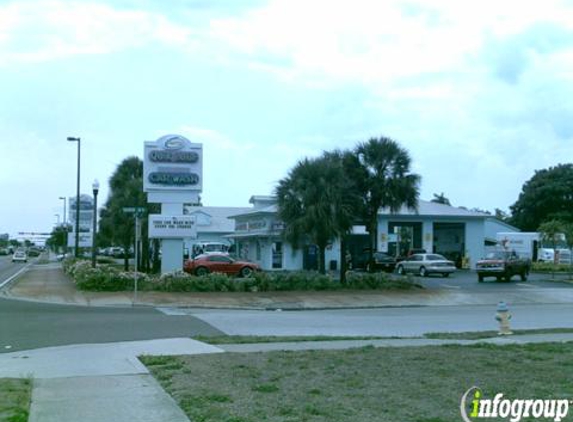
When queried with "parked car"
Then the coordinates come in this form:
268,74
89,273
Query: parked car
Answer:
503,265
62,256
221,263
382,262
410,253
116,252
20,256
4,251
425,264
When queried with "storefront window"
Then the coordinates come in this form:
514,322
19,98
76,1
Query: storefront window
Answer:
277,254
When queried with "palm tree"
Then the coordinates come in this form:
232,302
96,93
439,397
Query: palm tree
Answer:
126,190
440,199
315,204
388,182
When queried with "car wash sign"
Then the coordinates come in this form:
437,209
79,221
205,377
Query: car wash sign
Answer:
174,227
173,163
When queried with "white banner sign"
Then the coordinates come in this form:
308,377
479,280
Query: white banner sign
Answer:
172,226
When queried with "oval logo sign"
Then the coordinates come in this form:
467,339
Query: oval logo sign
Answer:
174,143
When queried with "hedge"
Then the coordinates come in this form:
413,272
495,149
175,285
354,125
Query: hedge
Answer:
110,278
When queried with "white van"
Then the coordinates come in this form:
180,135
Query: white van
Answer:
205,248
531,245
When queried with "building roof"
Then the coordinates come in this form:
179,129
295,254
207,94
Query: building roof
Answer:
428,208
271,209
425,208
219,218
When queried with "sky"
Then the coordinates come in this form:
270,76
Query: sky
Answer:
479,93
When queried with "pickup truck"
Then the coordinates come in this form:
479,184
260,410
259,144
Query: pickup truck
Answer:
503,265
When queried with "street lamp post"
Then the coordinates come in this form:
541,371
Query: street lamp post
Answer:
77,246
95,187
65,225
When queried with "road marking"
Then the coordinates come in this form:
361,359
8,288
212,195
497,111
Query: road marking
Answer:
527,285
451,287
5,282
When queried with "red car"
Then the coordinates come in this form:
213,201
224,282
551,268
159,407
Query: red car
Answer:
220,263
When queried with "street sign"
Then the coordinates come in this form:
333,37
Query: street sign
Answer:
132,210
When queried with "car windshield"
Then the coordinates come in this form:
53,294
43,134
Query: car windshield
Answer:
435,257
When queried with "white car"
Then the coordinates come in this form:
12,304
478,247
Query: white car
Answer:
19,256
425,264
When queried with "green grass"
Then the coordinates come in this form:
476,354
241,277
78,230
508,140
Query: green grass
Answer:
15,397
469,335
417,384
479,335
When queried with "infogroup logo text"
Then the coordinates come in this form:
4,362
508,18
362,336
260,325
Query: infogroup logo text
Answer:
474,407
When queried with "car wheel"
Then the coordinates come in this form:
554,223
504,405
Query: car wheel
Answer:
246,272
480,278
201,271
446,275
524,276
423,272
400,270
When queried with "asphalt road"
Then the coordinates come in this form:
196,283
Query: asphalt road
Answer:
8,268
467,281
29,325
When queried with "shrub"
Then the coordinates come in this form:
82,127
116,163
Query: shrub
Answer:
110,278
550,267
371,281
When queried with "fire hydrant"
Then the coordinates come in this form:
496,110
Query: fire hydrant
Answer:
503,316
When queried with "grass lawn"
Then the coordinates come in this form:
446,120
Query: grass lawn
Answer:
15,396
414,384
466,335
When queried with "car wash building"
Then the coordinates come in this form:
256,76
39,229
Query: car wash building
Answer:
457,233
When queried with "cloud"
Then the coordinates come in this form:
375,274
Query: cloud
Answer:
53,29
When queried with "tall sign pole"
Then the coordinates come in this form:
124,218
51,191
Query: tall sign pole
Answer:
173,176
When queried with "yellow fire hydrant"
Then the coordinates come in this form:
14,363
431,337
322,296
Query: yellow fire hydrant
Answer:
503,316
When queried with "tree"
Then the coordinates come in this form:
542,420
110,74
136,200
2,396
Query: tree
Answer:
316,203
551,232
441,199
58,238
548,195
387,182
126,190
502,215
568,232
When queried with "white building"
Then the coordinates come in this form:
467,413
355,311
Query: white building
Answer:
453,232
213,224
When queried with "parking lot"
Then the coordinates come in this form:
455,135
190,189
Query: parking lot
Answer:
465,280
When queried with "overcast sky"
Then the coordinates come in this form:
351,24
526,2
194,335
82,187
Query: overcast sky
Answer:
479,93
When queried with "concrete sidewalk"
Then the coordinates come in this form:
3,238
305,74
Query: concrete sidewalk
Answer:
99,382
47,283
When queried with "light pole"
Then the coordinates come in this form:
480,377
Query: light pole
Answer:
95,187
77,246
65,225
